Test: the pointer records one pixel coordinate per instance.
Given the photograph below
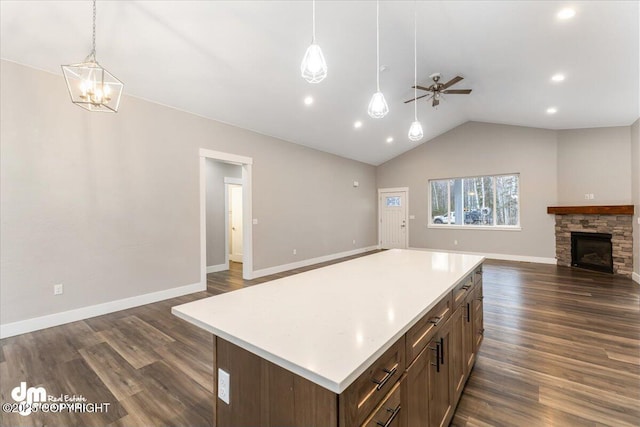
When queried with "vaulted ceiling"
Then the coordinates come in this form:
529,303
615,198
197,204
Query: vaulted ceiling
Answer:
239,62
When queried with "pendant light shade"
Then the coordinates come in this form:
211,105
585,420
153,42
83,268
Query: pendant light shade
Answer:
313,67
90,85
415,131
378,107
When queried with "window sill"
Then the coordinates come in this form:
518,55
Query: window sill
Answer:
473,227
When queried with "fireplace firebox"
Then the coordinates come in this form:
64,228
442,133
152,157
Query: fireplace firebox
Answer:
592,251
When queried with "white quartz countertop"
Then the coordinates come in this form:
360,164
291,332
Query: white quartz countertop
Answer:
328,325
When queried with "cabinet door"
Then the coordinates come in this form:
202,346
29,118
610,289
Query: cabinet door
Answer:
478,317
440,391
457,354
416,393
469,345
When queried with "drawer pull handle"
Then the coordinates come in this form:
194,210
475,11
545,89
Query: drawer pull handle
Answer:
394,414
435,322
466,287
389,374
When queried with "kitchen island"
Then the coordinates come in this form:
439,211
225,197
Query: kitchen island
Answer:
388,338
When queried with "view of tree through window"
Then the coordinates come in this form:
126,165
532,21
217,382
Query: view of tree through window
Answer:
481,200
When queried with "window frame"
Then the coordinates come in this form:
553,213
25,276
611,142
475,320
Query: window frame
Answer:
431,224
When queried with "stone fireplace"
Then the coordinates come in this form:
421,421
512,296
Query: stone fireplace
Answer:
615,221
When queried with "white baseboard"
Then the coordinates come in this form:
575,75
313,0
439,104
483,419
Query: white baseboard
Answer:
505,257
635,277
216,268
310,261
37,323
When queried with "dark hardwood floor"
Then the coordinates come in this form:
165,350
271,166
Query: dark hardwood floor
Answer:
561,348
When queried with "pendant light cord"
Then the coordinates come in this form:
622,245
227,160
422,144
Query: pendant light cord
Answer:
415,63
313,37
378,44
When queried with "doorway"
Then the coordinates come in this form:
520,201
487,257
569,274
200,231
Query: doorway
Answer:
393,224
244,217
233,220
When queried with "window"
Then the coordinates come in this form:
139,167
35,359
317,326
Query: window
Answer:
392,201
479,201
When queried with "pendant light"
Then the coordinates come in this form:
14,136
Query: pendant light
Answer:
91,86
415,131
378,107
313,67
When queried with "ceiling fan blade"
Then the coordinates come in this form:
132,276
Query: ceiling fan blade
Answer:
411,100
436,102
451,82
423,88
458,91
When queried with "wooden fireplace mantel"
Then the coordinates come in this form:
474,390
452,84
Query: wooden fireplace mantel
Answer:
591,210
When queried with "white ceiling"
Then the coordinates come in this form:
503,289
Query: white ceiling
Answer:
239,62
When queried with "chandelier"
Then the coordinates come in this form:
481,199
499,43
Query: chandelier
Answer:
90,85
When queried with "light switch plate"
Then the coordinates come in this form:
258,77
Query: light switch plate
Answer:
224,385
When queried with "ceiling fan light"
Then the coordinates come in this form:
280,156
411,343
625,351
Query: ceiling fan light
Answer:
415,131
378,107
314,66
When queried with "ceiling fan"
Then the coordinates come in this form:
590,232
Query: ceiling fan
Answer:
438,89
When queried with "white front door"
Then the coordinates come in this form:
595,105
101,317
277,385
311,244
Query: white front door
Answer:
235,222
393,219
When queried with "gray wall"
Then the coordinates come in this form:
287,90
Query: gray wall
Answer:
216,243
635,192
482,149
108,204
594,161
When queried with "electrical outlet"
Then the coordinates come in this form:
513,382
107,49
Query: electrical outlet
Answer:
295,251
224,386
591,197
586,196
58,289
455,242
354,241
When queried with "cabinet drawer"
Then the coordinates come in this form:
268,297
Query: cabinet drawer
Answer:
387,414
359,400
461,290
420,334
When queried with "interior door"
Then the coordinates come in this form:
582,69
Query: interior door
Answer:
393,220
235,223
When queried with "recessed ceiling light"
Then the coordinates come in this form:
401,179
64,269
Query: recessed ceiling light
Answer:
552,110
566,13
357,124
308,100
557,77
390,140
